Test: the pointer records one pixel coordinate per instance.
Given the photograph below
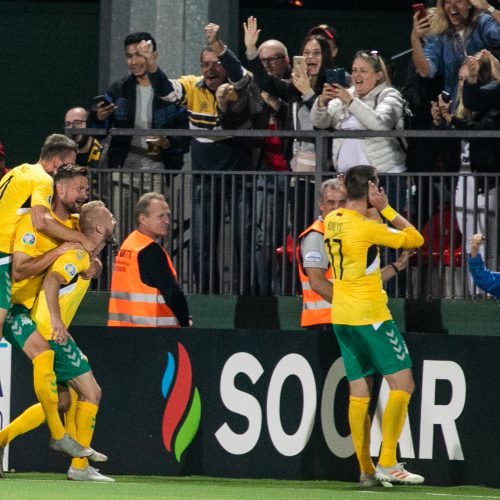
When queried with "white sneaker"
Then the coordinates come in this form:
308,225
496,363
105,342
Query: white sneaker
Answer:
97,457
68,446
88,474
397,475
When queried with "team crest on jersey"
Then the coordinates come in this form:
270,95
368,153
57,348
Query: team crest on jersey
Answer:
28,239
70,269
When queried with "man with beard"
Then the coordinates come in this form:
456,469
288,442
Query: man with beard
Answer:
89,148
28,189
198,93
63,288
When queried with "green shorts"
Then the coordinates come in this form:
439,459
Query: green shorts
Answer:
367,350
18,326
69,360
5,280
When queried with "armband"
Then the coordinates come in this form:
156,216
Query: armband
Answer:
389,213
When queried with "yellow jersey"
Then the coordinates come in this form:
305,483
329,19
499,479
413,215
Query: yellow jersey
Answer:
33,243
351,242
71,292
23,187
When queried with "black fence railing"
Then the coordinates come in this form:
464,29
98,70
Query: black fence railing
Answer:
242,237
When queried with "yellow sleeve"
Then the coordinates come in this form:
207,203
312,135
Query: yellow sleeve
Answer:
70,264
25,239
380,234
43,189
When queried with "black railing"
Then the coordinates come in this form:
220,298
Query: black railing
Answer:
240,252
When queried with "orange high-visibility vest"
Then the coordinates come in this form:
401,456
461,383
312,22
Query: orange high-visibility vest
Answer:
132,302
315,309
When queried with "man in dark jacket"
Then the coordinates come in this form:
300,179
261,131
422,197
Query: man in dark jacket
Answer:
133,102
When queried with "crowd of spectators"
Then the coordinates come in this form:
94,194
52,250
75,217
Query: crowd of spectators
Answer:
453,83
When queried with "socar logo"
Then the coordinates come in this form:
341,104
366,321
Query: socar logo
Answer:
181,418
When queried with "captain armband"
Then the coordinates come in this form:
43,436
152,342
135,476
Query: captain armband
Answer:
389,213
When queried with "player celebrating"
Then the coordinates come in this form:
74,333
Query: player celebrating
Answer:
54,308
368,337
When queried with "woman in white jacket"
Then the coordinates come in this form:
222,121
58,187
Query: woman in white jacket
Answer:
370,104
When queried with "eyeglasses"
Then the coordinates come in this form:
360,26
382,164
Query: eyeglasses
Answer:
208,64
75,123
272,59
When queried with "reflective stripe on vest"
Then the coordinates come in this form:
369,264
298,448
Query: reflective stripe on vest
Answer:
132,302
315,309
141,320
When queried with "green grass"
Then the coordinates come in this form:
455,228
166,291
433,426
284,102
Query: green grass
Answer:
54,486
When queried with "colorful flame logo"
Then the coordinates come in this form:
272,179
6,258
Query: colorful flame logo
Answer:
181,418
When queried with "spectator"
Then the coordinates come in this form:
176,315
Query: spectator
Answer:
370,104
218,66
3,168
144,287
314,269
459,28
257,109
478,90
89,148
427,154
134,102
329,34
299,93
483,278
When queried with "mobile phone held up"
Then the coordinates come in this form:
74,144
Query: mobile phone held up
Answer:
445,96
418,8
299,64
103,98
336,75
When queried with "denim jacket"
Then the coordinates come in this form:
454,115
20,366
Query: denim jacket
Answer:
445,56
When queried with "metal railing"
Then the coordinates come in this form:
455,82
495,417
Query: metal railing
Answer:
243,239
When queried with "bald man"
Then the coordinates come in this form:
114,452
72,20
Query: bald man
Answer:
89,148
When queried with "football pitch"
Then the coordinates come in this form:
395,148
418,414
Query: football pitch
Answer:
54,486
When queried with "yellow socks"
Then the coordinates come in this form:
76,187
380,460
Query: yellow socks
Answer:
44,380
359,421
30,419
70,415
392,425
85,424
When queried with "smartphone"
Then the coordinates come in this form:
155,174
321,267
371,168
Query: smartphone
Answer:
336,75
104,98
445,96
299,62
418,8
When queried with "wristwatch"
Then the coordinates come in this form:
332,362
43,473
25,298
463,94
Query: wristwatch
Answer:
491,9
